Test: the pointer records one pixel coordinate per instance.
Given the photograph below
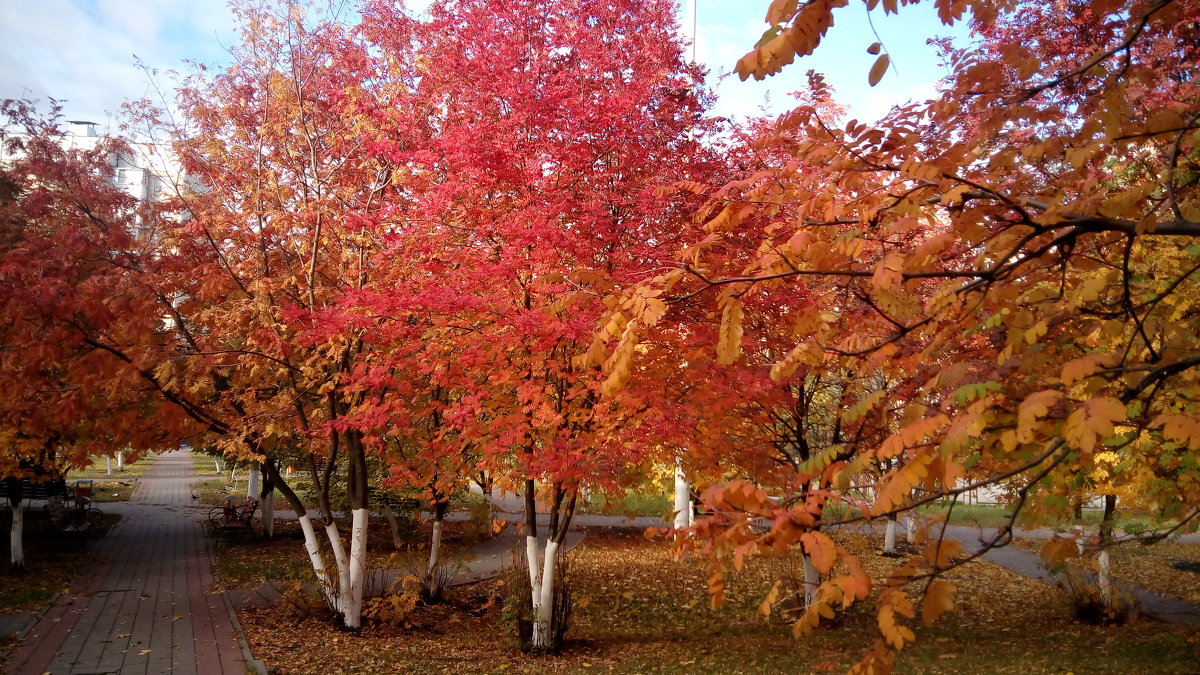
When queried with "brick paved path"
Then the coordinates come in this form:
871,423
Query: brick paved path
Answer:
142,605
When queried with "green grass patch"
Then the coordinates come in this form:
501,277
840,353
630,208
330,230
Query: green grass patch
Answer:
994,515
654,504
98,469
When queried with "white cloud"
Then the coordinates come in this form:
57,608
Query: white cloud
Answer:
83,51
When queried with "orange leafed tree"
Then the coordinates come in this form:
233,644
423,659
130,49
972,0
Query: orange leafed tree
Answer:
1010,271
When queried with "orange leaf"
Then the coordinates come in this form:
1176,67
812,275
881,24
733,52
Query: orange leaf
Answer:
939,599
820,548
877,70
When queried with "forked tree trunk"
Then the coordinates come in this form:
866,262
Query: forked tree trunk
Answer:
1108,520
342,586
357,488
543,581
311,545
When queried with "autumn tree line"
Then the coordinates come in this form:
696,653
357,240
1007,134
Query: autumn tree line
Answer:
505,243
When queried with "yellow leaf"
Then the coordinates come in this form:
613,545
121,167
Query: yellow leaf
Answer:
1092,421
729,343
939,599
1085,366
769,601
1034,407
1182,429
939,553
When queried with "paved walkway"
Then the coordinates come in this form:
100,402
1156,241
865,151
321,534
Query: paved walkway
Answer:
1026,563
143,603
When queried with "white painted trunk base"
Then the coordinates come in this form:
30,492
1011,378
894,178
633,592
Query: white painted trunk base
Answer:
889,537
1105,579
435,546
812,579
254,482
543,624
358,568
683,499
317,562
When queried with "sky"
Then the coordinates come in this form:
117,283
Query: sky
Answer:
85,52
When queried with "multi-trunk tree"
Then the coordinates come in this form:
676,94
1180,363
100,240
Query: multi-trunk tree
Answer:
550,125
1014,264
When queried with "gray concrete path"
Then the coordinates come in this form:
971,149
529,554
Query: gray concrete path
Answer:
143,604
1029,564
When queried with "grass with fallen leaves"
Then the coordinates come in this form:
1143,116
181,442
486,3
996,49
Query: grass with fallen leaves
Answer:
52,561
637,610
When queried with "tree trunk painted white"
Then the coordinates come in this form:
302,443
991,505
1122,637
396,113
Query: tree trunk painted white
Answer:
217,465
812,579
910,527
683,499
535,590
16,538
889,536
358,568
318,562
108,466
268,514
120,460
544,619
343,566
1105,579
435,545
254,482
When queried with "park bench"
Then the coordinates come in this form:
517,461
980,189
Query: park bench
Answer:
235,517
73,515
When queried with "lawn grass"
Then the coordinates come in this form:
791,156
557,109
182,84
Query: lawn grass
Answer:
99,469
994,515
118,486
637,610
654,504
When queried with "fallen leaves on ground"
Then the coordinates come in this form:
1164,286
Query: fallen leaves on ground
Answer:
641,611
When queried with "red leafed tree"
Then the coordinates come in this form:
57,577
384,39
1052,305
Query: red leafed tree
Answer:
550,126
1013,264
67,239
284,228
